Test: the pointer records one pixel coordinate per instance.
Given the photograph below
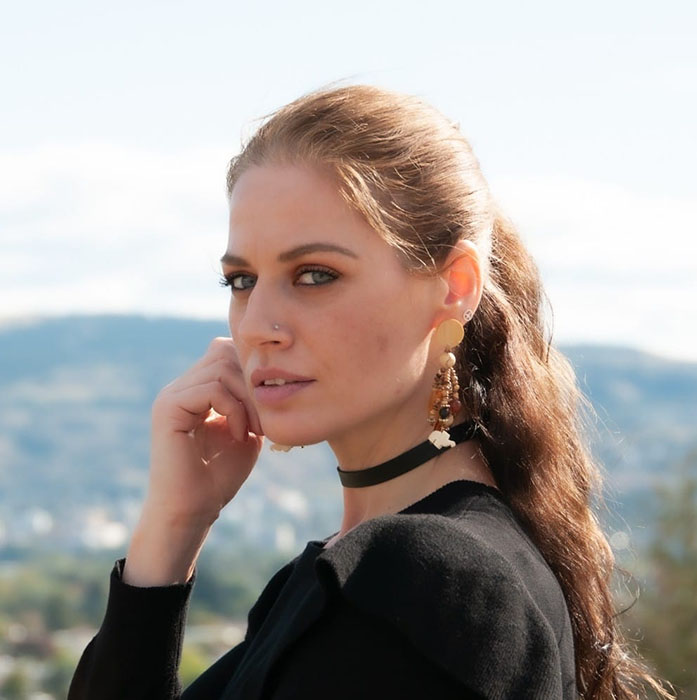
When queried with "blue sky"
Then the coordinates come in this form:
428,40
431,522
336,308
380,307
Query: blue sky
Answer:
118,121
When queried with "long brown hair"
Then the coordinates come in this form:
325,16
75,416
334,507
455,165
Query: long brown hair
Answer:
414,177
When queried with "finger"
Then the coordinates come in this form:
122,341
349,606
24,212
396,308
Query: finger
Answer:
216,370
195,404
219,348
231,377
222,347
233,427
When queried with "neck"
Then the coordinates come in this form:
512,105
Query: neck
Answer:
381,443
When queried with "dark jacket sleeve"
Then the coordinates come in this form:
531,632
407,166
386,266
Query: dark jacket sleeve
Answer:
136,652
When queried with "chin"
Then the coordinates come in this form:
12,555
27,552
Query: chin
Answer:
292,436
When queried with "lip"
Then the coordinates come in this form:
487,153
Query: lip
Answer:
259,376
275,394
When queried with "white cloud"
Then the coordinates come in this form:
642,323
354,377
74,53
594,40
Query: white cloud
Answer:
572,223
94,227
619,266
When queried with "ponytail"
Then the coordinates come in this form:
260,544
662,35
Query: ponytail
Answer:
532,416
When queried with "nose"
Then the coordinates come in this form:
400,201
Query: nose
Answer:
262,321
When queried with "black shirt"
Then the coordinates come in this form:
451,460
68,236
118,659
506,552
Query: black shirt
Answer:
448,598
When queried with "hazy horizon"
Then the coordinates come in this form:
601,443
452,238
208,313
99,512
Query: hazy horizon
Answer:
120,122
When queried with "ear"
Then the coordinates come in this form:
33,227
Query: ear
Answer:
462,278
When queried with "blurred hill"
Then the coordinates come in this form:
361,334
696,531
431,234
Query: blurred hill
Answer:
75,397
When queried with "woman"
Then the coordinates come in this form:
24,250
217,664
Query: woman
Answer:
380,302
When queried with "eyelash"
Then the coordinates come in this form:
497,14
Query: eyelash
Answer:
227,280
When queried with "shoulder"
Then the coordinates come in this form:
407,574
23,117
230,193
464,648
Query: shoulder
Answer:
461,590
420,554
478,548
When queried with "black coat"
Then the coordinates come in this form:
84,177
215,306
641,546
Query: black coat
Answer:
448,598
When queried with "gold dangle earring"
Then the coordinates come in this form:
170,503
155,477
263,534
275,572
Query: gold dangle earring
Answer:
444,403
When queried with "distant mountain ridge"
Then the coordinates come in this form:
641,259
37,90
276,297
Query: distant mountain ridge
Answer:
75,397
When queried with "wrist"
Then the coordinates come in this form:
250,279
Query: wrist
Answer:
157,513
164,549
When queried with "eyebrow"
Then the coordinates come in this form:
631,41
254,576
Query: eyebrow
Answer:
230,259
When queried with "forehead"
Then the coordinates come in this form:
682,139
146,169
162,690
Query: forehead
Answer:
276,206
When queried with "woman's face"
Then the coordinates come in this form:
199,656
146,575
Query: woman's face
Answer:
351,320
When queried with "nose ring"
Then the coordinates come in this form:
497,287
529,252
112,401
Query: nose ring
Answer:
276,326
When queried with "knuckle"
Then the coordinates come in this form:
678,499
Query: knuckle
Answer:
161,404
217,343
221,364
162,396
226,370
170,386
228,360
223,393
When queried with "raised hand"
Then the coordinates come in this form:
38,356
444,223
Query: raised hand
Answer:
205,440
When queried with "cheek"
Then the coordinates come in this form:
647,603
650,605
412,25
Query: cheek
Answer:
235,315
376,354
382,341
347,343
231,315
233,323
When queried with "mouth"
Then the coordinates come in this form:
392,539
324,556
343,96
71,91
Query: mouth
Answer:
281,382
275,391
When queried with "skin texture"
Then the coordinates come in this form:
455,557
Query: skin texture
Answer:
362,328
363,332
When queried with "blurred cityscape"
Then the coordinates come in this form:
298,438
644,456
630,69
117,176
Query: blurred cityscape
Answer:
75,397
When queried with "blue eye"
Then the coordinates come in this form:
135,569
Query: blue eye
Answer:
317,276
236,282
328,276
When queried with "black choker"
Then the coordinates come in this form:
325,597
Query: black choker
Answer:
405,462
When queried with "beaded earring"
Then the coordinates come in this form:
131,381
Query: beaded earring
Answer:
444,403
